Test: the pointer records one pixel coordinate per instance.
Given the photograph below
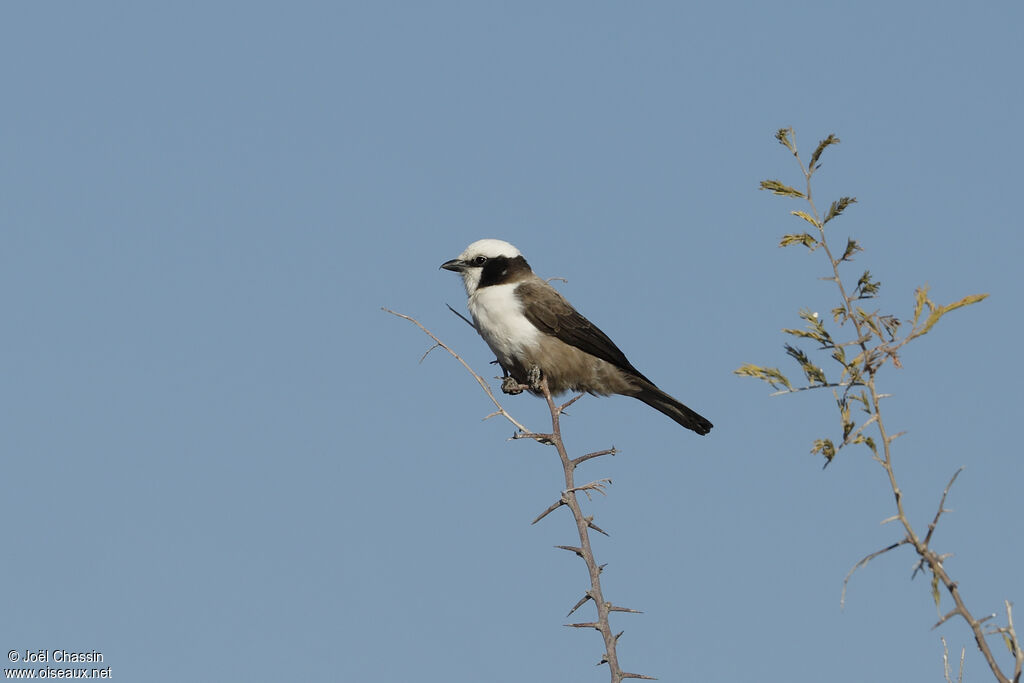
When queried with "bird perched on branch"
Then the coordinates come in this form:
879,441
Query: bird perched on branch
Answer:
535,333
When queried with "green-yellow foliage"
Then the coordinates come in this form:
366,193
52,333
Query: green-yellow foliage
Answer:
870,338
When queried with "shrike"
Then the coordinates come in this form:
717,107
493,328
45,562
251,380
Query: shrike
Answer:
536,333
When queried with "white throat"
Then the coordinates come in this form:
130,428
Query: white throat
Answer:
498,314
471,280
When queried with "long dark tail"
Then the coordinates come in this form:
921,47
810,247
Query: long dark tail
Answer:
660,401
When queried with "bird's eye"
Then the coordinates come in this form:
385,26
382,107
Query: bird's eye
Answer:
479,260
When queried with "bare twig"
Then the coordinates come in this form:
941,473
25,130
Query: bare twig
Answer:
595,454
942,507
828,385
863,562
1013,643
480,380
946,669
598,486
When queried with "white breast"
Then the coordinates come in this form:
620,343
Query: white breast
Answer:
498,314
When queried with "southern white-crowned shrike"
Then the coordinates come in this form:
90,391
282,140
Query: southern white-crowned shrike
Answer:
536,333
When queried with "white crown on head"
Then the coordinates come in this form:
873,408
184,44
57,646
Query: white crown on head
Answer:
490,248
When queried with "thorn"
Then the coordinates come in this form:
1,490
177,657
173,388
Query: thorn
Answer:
571,548
587,624
561,408
614,608
640,676
590,524
554,506
946,618
427,353
546,439
579,604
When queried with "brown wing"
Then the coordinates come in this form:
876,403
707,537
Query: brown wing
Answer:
549,312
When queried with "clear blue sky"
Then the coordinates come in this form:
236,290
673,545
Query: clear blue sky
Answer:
221,461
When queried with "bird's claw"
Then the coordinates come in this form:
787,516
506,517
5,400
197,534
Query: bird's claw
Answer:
533,378
510,386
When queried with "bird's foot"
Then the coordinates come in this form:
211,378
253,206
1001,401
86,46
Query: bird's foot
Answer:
510,386
533,378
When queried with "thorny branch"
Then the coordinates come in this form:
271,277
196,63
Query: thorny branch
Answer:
568,498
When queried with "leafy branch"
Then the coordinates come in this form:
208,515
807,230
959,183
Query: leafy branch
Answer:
863,343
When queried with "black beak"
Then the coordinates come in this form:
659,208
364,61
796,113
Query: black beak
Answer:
455,264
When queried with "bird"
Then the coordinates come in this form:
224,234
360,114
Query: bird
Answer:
536,334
